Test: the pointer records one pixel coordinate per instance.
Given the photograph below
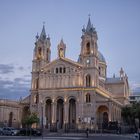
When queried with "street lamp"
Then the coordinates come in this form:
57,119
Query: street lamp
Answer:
42,117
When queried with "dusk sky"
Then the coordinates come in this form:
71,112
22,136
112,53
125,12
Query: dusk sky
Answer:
117,23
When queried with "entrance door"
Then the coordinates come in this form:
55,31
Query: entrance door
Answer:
72,113
102,117
48,113
60,109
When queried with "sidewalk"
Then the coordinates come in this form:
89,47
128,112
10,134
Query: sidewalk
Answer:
90,134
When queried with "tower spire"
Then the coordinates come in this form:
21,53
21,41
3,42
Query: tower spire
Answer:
43,33
89,26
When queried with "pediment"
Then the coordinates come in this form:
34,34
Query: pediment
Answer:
62,62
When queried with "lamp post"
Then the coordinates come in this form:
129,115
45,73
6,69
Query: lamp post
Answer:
42,118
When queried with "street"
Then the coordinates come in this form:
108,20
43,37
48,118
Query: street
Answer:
94,137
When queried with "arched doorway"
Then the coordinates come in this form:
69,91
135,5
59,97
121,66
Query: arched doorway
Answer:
60,113
105,120
102,117
72,113
10,119
48,113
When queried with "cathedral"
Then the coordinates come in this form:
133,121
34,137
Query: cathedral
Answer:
75,94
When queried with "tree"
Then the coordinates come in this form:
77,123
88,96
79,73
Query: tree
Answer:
130,113
31,119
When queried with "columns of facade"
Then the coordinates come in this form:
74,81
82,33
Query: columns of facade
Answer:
51,81
94,112
70,83
54,105
66,81
77,111
44,114
120,113
58,83
63,81
113,113
110,115
48,82
117,113
66,111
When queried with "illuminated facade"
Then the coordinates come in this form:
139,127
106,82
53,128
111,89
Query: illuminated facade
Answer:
73,94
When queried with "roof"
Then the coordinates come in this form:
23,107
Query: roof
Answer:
89,29
113,80
43,33
10,103
26,99
101,57
65,60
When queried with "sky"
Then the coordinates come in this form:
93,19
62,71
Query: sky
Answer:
116,21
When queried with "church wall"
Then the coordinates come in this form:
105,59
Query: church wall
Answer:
8,107
116,89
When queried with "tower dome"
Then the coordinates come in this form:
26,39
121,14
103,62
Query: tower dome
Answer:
101,57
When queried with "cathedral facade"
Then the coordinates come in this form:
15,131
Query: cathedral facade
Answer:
76,94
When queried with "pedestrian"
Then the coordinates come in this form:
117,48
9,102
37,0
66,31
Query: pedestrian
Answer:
87,132
139,133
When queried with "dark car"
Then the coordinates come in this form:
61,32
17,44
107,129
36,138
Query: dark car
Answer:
1,130
9,131
28,131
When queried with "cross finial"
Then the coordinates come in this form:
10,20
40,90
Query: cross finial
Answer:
89,15
43,23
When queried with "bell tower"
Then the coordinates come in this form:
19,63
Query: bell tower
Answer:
42,51
89,49
61,49
41,57
89,53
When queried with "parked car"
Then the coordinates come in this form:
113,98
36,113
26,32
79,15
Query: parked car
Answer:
1,130
10,131
28,131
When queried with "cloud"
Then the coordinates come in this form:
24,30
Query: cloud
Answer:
135,87
6,68
21,68
14,89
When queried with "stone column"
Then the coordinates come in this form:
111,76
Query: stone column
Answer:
77,113
110,115
66,111
44,116
54,104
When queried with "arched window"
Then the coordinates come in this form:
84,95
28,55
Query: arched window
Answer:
47,54
88,98
99,70
88,48
37,83
88,81
10,119
64,70
36,98
56,70
60,69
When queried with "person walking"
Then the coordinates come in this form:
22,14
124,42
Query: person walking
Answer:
139,133
87,132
